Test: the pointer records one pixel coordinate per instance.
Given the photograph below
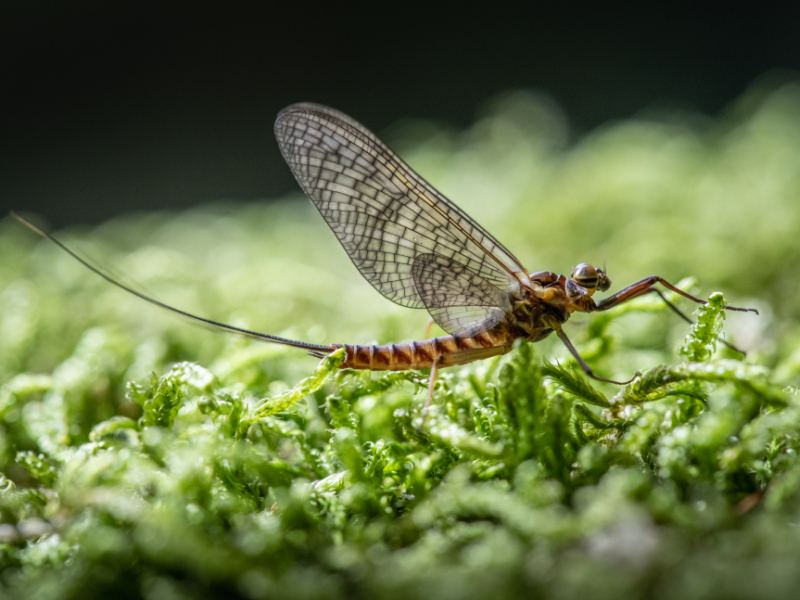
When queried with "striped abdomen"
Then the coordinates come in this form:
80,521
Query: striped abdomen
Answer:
421,354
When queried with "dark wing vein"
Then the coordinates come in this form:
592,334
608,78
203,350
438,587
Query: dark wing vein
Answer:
382,212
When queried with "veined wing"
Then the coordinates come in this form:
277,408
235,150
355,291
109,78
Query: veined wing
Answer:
382,212
459,300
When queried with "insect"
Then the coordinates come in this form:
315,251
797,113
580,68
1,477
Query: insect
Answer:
420,250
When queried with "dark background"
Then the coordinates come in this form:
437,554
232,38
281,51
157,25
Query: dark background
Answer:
120,106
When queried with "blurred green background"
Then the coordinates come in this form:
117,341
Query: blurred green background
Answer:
670,193
118,482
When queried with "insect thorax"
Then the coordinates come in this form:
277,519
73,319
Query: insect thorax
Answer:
534,315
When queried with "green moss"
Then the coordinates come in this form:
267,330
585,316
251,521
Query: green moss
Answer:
144,457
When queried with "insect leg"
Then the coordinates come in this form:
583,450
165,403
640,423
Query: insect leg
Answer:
586,369
460,357
431,383
644,286
429,328
678,312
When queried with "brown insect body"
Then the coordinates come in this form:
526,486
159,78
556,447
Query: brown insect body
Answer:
534,315
421,354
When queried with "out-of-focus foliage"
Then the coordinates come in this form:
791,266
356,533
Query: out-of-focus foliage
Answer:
144,457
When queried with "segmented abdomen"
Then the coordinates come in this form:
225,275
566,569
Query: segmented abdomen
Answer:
421,354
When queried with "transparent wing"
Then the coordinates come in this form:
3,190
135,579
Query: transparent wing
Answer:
382,212
461,301
467,321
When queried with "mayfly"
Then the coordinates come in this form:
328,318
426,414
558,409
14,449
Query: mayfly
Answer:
420,250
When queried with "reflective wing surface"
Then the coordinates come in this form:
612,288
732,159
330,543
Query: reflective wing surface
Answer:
386,216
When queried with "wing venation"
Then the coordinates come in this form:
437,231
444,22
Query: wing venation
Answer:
461,301
383,213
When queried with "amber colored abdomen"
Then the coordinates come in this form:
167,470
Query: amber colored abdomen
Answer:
422,353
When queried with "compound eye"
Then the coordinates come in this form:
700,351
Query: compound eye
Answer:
585,275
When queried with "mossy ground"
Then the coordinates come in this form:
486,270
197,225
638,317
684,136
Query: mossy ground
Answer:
144,457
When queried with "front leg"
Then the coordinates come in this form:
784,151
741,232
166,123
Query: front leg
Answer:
678,312
586,368
645,286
